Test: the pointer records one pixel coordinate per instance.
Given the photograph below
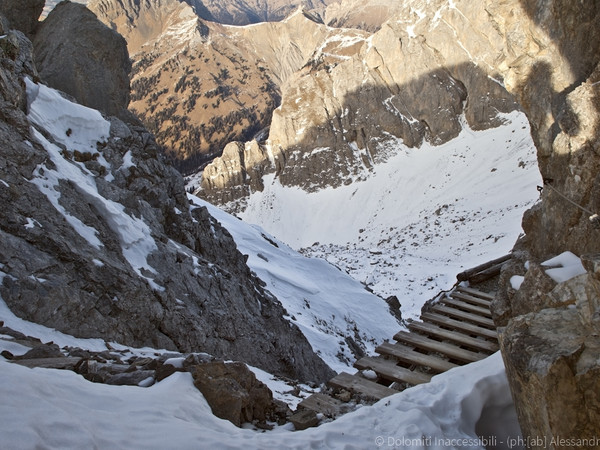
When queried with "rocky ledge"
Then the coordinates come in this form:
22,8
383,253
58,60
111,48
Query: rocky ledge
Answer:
230,388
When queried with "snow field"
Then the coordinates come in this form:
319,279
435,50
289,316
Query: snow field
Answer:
420,218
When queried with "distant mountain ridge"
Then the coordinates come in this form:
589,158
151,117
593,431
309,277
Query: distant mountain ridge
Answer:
199,85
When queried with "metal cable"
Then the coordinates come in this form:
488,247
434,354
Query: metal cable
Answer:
593,217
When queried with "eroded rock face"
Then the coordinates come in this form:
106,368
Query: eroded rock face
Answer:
551,329
413,80
79,55
102,242
23,15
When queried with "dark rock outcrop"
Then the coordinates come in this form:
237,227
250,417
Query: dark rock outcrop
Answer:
103,242
77,54
234,393
23,15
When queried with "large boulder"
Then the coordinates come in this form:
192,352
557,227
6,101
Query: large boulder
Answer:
79,55
23,15
234,393
551,358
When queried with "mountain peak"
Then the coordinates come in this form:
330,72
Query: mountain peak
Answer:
300,12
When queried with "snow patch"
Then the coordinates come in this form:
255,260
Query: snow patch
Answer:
328,306
516,281
564,267
54,409
77,127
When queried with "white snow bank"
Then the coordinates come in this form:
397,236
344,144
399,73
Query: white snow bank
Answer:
51,409
75,126
325,303
564,267
516,281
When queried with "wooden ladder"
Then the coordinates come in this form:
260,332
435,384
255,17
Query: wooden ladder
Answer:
455,330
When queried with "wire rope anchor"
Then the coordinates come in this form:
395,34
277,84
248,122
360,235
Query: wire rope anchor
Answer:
593,217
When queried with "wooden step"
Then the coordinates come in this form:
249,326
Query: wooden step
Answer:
449,350
388,369
476,293
360,385
467,307
408,355
324,404
457,313
64,363
471,299
455,336
458,325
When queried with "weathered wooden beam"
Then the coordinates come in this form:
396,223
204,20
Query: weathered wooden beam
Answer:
408,355
462,315
360,385
465,306
388,369
454,336
450,350
459,325
476,293
469,273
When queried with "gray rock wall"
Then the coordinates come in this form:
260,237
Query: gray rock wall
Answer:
193,291
79,55
23,15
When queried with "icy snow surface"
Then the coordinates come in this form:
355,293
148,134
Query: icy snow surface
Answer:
51,409
564,267
325,303
420,218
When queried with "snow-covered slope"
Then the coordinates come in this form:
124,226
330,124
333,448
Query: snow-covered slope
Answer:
332,310
419,218
51,409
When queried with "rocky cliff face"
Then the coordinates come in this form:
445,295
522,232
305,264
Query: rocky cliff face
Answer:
99,240
80,56
412,80
550,61
199,85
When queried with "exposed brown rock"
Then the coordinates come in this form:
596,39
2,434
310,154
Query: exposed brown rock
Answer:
234,393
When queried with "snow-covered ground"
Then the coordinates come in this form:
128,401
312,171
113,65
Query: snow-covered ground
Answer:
476,187
467,407
420,218
326,304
